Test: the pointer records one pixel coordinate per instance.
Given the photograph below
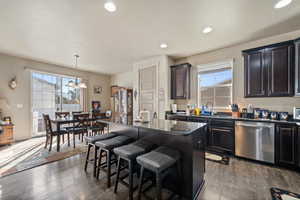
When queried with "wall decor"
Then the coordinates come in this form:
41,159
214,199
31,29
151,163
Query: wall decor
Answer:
96,105
13,83
97,89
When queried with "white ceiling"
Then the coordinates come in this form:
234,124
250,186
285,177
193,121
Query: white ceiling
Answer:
53,30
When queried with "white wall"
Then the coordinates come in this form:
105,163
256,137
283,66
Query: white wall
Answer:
123,79
234,52
11,66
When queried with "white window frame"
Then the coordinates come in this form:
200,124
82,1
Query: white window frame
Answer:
31,71
211,67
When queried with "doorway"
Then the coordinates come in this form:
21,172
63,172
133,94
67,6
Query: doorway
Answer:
49,94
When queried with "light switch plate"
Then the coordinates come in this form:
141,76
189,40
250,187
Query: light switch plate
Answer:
19,105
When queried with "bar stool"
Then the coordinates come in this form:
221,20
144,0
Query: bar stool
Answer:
107,146
159,162
128,153
90,141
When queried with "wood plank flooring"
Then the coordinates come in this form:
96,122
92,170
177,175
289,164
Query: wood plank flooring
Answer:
65,179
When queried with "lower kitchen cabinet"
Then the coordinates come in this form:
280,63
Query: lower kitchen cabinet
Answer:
221,140
298,147
220,136
285,147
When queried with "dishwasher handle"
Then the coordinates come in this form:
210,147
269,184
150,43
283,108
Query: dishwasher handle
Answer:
255,124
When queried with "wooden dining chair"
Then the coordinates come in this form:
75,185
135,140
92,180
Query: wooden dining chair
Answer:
62,114
97,127
80,127
50,133
76,112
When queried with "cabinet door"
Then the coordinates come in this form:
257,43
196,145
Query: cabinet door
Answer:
180,81
285,145
298,66
255,74
221,139
298,147
280,62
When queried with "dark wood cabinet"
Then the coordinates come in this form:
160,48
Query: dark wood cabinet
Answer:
285,148
297,46
269,70
255,74
280,64
220,136
298,148
180,81
221,139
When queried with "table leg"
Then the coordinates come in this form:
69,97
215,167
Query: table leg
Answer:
58,138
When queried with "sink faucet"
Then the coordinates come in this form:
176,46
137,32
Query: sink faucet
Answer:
211,109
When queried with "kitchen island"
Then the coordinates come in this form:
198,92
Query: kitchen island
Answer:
186,137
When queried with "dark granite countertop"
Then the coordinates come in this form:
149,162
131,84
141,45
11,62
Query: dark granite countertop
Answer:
294,122
167,126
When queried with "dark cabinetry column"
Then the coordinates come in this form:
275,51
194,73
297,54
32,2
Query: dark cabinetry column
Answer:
298,147
297,44
286,136
180,81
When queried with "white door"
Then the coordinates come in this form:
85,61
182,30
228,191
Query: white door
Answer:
148,89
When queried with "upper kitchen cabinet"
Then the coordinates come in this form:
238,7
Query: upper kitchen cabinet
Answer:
269,70
297,45
255,73
180,81
281,65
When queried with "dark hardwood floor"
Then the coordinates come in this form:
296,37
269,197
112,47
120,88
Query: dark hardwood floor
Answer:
66,179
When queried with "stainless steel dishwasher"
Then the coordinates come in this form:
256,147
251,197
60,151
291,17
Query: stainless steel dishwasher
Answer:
255,140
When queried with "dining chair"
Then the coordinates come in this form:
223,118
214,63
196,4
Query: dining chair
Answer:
62,115
80,127
50,133
76,112
96,126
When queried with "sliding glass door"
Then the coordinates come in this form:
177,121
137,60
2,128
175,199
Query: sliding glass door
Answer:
49,94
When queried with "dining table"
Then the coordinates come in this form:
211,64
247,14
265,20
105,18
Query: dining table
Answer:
59,122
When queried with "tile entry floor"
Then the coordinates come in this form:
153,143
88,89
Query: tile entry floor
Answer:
65,179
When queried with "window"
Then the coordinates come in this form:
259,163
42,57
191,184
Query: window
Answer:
50,93
215,87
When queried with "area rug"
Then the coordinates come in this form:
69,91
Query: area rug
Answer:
31,153
222,159
279,194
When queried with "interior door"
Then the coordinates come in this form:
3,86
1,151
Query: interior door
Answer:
148,89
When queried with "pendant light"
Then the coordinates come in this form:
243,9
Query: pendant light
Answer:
76,84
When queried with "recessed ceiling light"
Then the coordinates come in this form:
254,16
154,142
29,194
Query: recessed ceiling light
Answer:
282,3
110,6
163,45
207,29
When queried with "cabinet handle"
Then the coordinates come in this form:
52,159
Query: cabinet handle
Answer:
222,130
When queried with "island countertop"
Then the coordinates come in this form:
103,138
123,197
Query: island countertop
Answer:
167,126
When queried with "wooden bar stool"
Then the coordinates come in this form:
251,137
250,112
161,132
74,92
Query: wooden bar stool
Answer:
106,147
90,141
128,153
159,162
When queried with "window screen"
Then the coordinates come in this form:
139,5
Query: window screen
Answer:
215,86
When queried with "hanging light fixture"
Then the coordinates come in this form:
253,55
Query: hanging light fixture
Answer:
76,84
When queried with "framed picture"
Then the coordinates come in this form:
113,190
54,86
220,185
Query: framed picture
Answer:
96,105
97,89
